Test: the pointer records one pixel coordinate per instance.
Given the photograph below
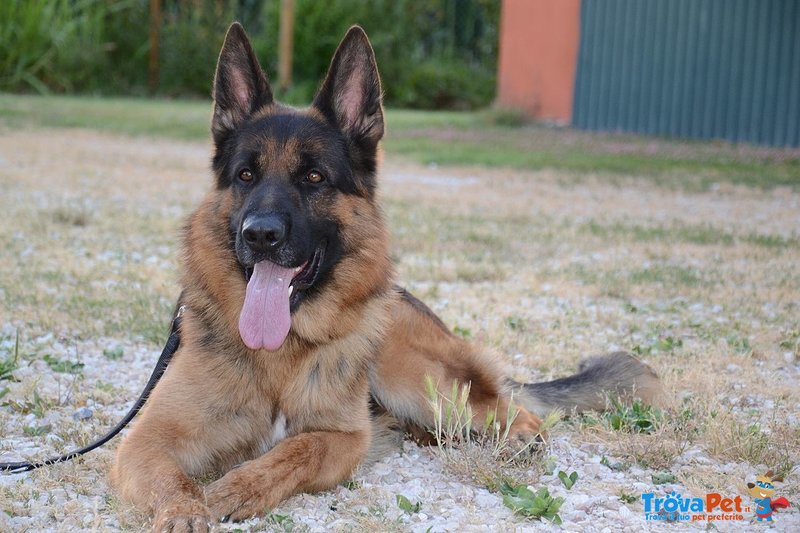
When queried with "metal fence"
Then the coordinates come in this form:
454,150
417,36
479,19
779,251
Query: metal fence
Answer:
726,69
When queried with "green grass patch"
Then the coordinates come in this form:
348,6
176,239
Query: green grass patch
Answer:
115,353
443,137
791,341
666,275
491,148
739,343
618,283
666,344
695,234
11,361
177,119
677,232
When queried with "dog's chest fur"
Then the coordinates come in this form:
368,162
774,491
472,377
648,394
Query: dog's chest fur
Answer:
250,407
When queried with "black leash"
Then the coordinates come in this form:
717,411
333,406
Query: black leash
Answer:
170,348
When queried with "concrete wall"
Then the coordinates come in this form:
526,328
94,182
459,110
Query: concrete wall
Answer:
539,42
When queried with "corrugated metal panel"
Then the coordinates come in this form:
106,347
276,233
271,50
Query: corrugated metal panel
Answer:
726,69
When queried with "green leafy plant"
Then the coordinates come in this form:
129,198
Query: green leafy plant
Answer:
281,521
660,345
36,431
37,406
406,506
567,480
626,497
64,367
617,467
635,418
525,502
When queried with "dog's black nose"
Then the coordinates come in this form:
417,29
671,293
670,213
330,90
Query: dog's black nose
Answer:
263,233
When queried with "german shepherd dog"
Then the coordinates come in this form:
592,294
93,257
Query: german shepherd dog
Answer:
296,346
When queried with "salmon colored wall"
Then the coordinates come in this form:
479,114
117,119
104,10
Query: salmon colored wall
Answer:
538,54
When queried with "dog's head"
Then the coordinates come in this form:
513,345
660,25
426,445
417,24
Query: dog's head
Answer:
292,176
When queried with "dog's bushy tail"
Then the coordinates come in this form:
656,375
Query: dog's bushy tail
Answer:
616,375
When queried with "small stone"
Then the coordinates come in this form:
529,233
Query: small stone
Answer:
84,413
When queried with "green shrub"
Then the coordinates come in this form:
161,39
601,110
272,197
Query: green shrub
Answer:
72,45
432,54
437,84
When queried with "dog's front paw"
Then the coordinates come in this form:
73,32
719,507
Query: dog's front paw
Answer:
237,496
186,517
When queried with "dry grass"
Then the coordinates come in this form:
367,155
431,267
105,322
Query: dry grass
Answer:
542,267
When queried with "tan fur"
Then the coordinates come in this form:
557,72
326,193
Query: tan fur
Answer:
271,424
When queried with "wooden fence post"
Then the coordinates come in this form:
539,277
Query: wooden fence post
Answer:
285,41
155,26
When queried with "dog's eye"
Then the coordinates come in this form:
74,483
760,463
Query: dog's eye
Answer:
245,175
315,177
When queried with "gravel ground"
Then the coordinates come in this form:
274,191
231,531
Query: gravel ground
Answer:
537,276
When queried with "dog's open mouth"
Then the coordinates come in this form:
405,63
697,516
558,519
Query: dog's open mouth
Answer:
272,291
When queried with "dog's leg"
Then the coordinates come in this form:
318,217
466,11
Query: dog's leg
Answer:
148,476
171,441
306,462
419,347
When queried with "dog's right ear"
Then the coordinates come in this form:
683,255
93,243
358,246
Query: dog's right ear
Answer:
240,86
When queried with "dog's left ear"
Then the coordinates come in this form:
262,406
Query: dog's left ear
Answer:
350,96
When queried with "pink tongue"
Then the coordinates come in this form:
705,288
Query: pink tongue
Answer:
264,321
